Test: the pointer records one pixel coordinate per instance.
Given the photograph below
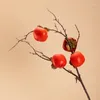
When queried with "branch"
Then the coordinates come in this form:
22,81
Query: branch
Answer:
57,20
78,33
54,30
81,81
69,71
38,53
25,37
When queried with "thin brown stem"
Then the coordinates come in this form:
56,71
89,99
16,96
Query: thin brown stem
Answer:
38,53
69,71
81,81
78,33
39,56
57,20
56,31
18,41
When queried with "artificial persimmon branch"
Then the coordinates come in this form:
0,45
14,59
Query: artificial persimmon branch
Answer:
65,35
45,57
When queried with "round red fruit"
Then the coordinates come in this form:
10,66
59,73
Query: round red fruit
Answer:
77,59
40,34
72,42
58,61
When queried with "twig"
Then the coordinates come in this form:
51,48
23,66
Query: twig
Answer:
69,71
38,53
56,31
78,33
25,37
57,20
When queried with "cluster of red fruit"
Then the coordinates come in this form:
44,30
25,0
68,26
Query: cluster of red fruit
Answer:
69,44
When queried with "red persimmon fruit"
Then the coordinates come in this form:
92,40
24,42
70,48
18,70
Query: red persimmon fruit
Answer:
58,61
40,34
77,59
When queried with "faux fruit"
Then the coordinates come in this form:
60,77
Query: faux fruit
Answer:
77,59
58,61
72,42
40,34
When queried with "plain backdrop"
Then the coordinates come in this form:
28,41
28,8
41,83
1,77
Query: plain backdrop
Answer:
27,77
